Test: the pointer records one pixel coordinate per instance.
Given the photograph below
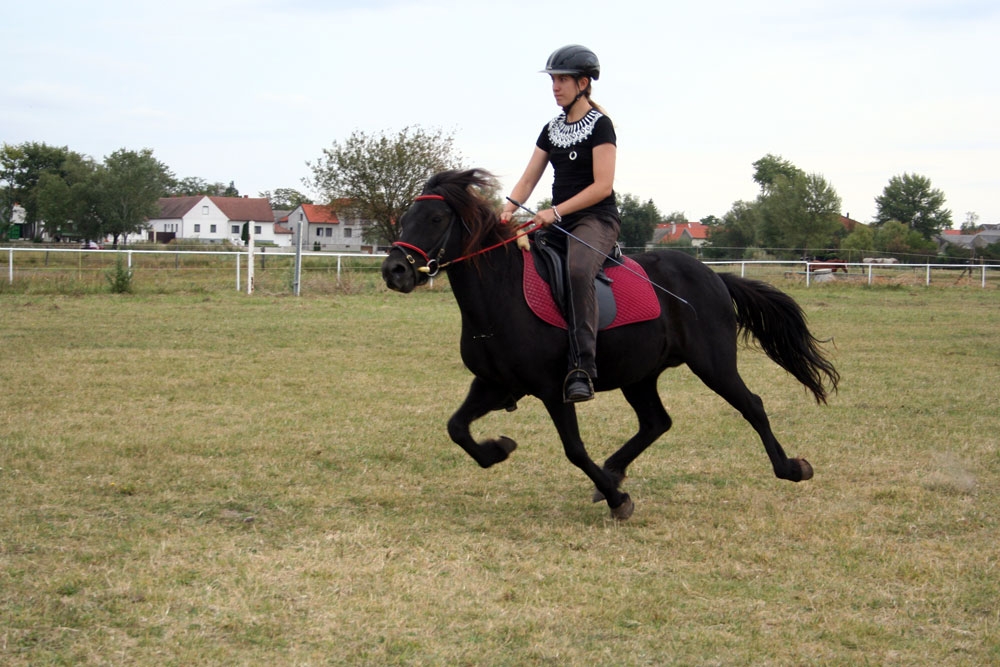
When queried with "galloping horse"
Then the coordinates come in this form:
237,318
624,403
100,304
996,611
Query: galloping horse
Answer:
512,353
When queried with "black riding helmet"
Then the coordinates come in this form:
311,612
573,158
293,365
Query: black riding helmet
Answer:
575,60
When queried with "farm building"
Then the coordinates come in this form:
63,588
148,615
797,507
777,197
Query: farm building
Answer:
216,219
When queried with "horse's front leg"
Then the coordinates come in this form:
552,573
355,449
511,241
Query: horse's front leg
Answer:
564,417
483,398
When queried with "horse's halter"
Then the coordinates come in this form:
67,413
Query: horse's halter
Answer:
432,265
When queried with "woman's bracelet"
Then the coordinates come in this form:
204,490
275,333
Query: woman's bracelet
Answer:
555,212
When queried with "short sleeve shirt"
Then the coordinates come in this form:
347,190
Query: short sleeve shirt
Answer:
570,147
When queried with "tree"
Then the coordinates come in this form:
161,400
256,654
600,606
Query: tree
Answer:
638,221
911,200
895,238
67,201
858,244
736,232
129,185
21,168
285,199
191,186
379,175
800,211
770,168
971,224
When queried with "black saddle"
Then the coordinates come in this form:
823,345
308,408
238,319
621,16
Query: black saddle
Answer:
549,254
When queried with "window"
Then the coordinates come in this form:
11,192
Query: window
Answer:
197,228
236,229
329,232
204,209
348,232
319,231
256,230
211,228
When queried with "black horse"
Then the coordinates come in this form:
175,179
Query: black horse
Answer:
512,353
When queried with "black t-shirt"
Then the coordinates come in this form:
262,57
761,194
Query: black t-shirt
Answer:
571,152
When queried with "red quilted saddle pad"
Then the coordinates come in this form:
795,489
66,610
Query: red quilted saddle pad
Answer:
634,295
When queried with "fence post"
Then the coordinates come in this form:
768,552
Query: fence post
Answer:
10,266
237,271
928,283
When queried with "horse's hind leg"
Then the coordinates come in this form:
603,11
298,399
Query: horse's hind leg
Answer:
482,398
724,379
653,422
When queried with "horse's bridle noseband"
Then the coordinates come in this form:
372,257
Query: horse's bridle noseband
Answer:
432,265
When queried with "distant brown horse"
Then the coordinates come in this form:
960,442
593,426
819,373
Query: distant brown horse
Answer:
512,353
833,265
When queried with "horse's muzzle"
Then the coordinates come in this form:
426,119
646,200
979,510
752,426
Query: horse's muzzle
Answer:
399,274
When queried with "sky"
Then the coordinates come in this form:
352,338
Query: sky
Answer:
251,91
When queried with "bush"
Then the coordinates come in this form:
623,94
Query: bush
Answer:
120,277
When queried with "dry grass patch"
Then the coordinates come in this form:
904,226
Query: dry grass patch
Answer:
217,479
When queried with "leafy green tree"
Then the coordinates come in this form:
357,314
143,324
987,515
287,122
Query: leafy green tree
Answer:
129,185
285,198
67,199
638,220
800,212
770,168
737,231
380,174
911,200
21,168
897,239
191,186
858,244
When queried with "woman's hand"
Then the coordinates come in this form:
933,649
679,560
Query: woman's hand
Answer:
546,217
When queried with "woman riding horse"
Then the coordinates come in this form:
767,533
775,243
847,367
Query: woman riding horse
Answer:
580,144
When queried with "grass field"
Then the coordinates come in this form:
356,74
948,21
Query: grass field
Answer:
211,478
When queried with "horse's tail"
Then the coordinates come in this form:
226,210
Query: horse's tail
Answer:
778,324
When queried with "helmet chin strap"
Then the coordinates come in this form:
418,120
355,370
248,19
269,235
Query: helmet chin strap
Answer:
569,106
582,93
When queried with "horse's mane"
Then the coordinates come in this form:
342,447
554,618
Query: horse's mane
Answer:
467,192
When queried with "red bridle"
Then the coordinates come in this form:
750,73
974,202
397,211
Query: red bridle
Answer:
433,266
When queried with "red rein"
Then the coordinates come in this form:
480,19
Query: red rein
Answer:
409,246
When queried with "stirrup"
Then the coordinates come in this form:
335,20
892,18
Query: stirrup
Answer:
577,387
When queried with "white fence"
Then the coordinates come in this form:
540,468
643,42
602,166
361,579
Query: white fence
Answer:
869,272
237,262
242,275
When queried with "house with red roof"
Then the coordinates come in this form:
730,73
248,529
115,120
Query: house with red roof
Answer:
216,219
693,233
332,228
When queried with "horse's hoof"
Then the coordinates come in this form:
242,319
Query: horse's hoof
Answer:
506,444
618,479
623,511
805,470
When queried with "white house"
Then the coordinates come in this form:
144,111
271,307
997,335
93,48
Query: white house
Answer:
327,228
216,219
